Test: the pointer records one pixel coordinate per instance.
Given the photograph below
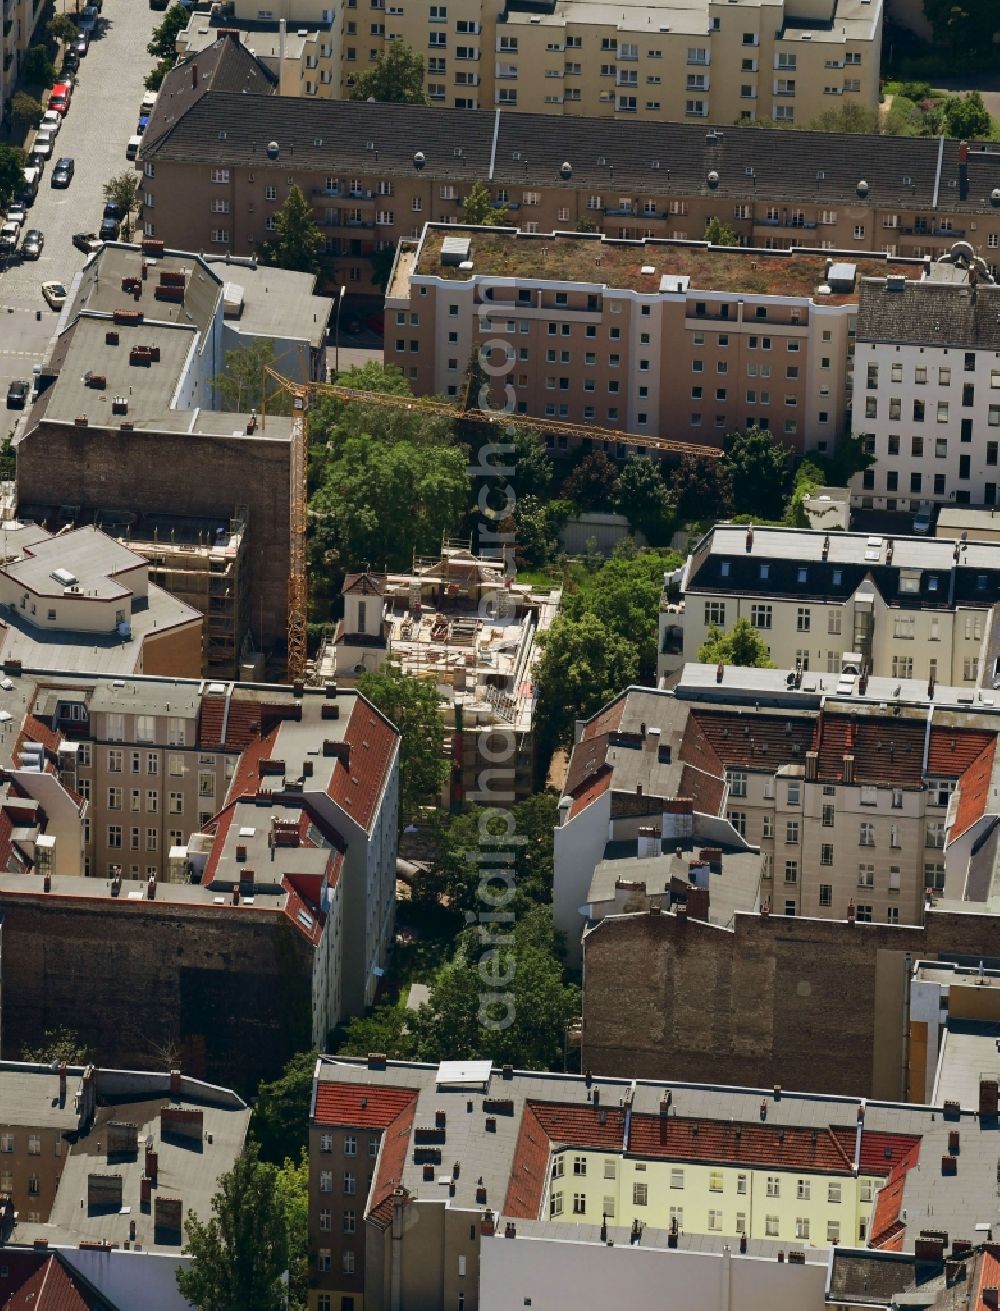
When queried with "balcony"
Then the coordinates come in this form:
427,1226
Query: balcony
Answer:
945,233
785,222
343,193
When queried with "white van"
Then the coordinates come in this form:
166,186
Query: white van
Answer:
147,103
132,149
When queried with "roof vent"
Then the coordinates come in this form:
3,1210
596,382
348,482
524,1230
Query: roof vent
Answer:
419,159
995,196
273,150
862,188
566,169
713,179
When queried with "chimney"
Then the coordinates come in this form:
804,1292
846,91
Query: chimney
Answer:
194,77
991,1296
62,1083
848,773
175,1083
812,761
152,1166
743,1244
719,671
826,547
963,182
749,539
145,1192
852,912
988,1089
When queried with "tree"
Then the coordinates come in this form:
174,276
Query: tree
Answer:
478,207
297,239
39,69
12,160
163,43
583,665
382,262
966,116
593,484
700,489
414,707
850,456
281,1114
537,526
758,466
373,375
26,110
624,594
123,191
643,499
62,28
718,234
847,118
292,1188
242,384
740,646
240,1254
60,1044
396,77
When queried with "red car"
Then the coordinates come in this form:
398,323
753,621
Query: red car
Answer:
60,97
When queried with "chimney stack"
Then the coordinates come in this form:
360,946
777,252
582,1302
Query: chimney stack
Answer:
963,170
194,77
812,762
62,1083
848,772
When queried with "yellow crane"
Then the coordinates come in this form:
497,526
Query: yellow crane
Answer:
302,393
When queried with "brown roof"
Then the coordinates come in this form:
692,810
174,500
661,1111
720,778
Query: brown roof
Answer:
886,751
39,1281
226,65
365,584
754,741
357,788
974,791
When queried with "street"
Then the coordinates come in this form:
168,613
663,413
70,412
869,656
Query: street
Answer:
102,117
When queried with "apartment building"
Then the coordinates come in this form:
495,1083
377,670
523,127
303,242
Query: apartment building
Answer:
658,338
378,172
82,597
832,603
271,810
74,1140
20,19
842,787
539,1161
460,620
928,359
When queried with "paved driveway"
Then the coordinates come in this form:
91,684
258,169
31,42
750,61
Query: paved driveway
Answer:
101,119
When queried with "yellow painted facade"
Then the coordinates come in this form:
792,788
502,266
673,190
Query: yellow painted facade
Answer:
807,1208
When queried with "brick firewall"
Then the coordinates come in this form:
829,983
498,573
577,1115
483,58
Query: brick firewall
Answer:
230,989
814,1005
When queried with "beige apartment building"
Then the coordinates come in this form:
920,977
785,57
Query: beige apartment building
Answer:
214,175
784,61
20,18
657,338
838,603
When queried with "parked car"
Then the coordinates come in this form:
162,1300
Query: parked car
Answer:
8,237
62,174
43,145
88,19
17,395
55,294
71,61
82,43
132,148
88,242
16,214
142,124
31,246
37,160
51,122
109,228
922,521
147,103
60,96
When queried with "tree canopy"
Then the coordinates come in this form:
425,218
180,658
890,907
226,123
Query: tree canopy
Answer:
642,497
242,384
396,77
297,240
60,1044
292,1188
281,1114
414,707
583,665
26,110
593,483
39,69
742,645
478,207
719,233
163,44
967,116
241,1252
758,465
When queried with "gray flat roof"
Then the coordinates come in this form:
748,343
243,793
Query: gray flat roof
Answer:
29,1097
100,287
90,556
277,303
969,1052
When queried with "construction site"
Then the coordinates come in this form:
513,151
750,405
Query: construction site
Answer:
460,621
199,560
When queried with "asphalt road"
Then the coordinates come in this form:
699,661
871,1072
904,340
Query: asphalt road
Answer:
101,118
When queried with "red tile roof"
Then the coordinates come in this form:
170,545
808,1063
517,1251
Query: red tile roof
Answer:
751,1143
358,788
392,1159
590,790
989,1277
573,1124
589,756
974,791
359,1105
33,730
754,741
886,1226
246,780
705,790
529,1172
952,751
608,720
886,751
38,1281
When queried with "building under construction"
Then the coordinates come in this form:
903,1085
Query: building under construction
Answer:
460,621
199,560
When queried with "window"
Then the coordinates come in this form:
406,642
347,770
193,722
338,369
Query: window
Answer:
348,1222
579,1203
114,798
639,1194
826,894
555,1204
715,613
833,1229
325,1217
834,622
714,1221
737,783
867,835
826,853
220,175
794,793
802,1227
579,1165
792,832
791,871
114,836
676,1177
738,819
347,1261
350,1185
741,1184
771,1226
803,619
864,914
760,615
715,1181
